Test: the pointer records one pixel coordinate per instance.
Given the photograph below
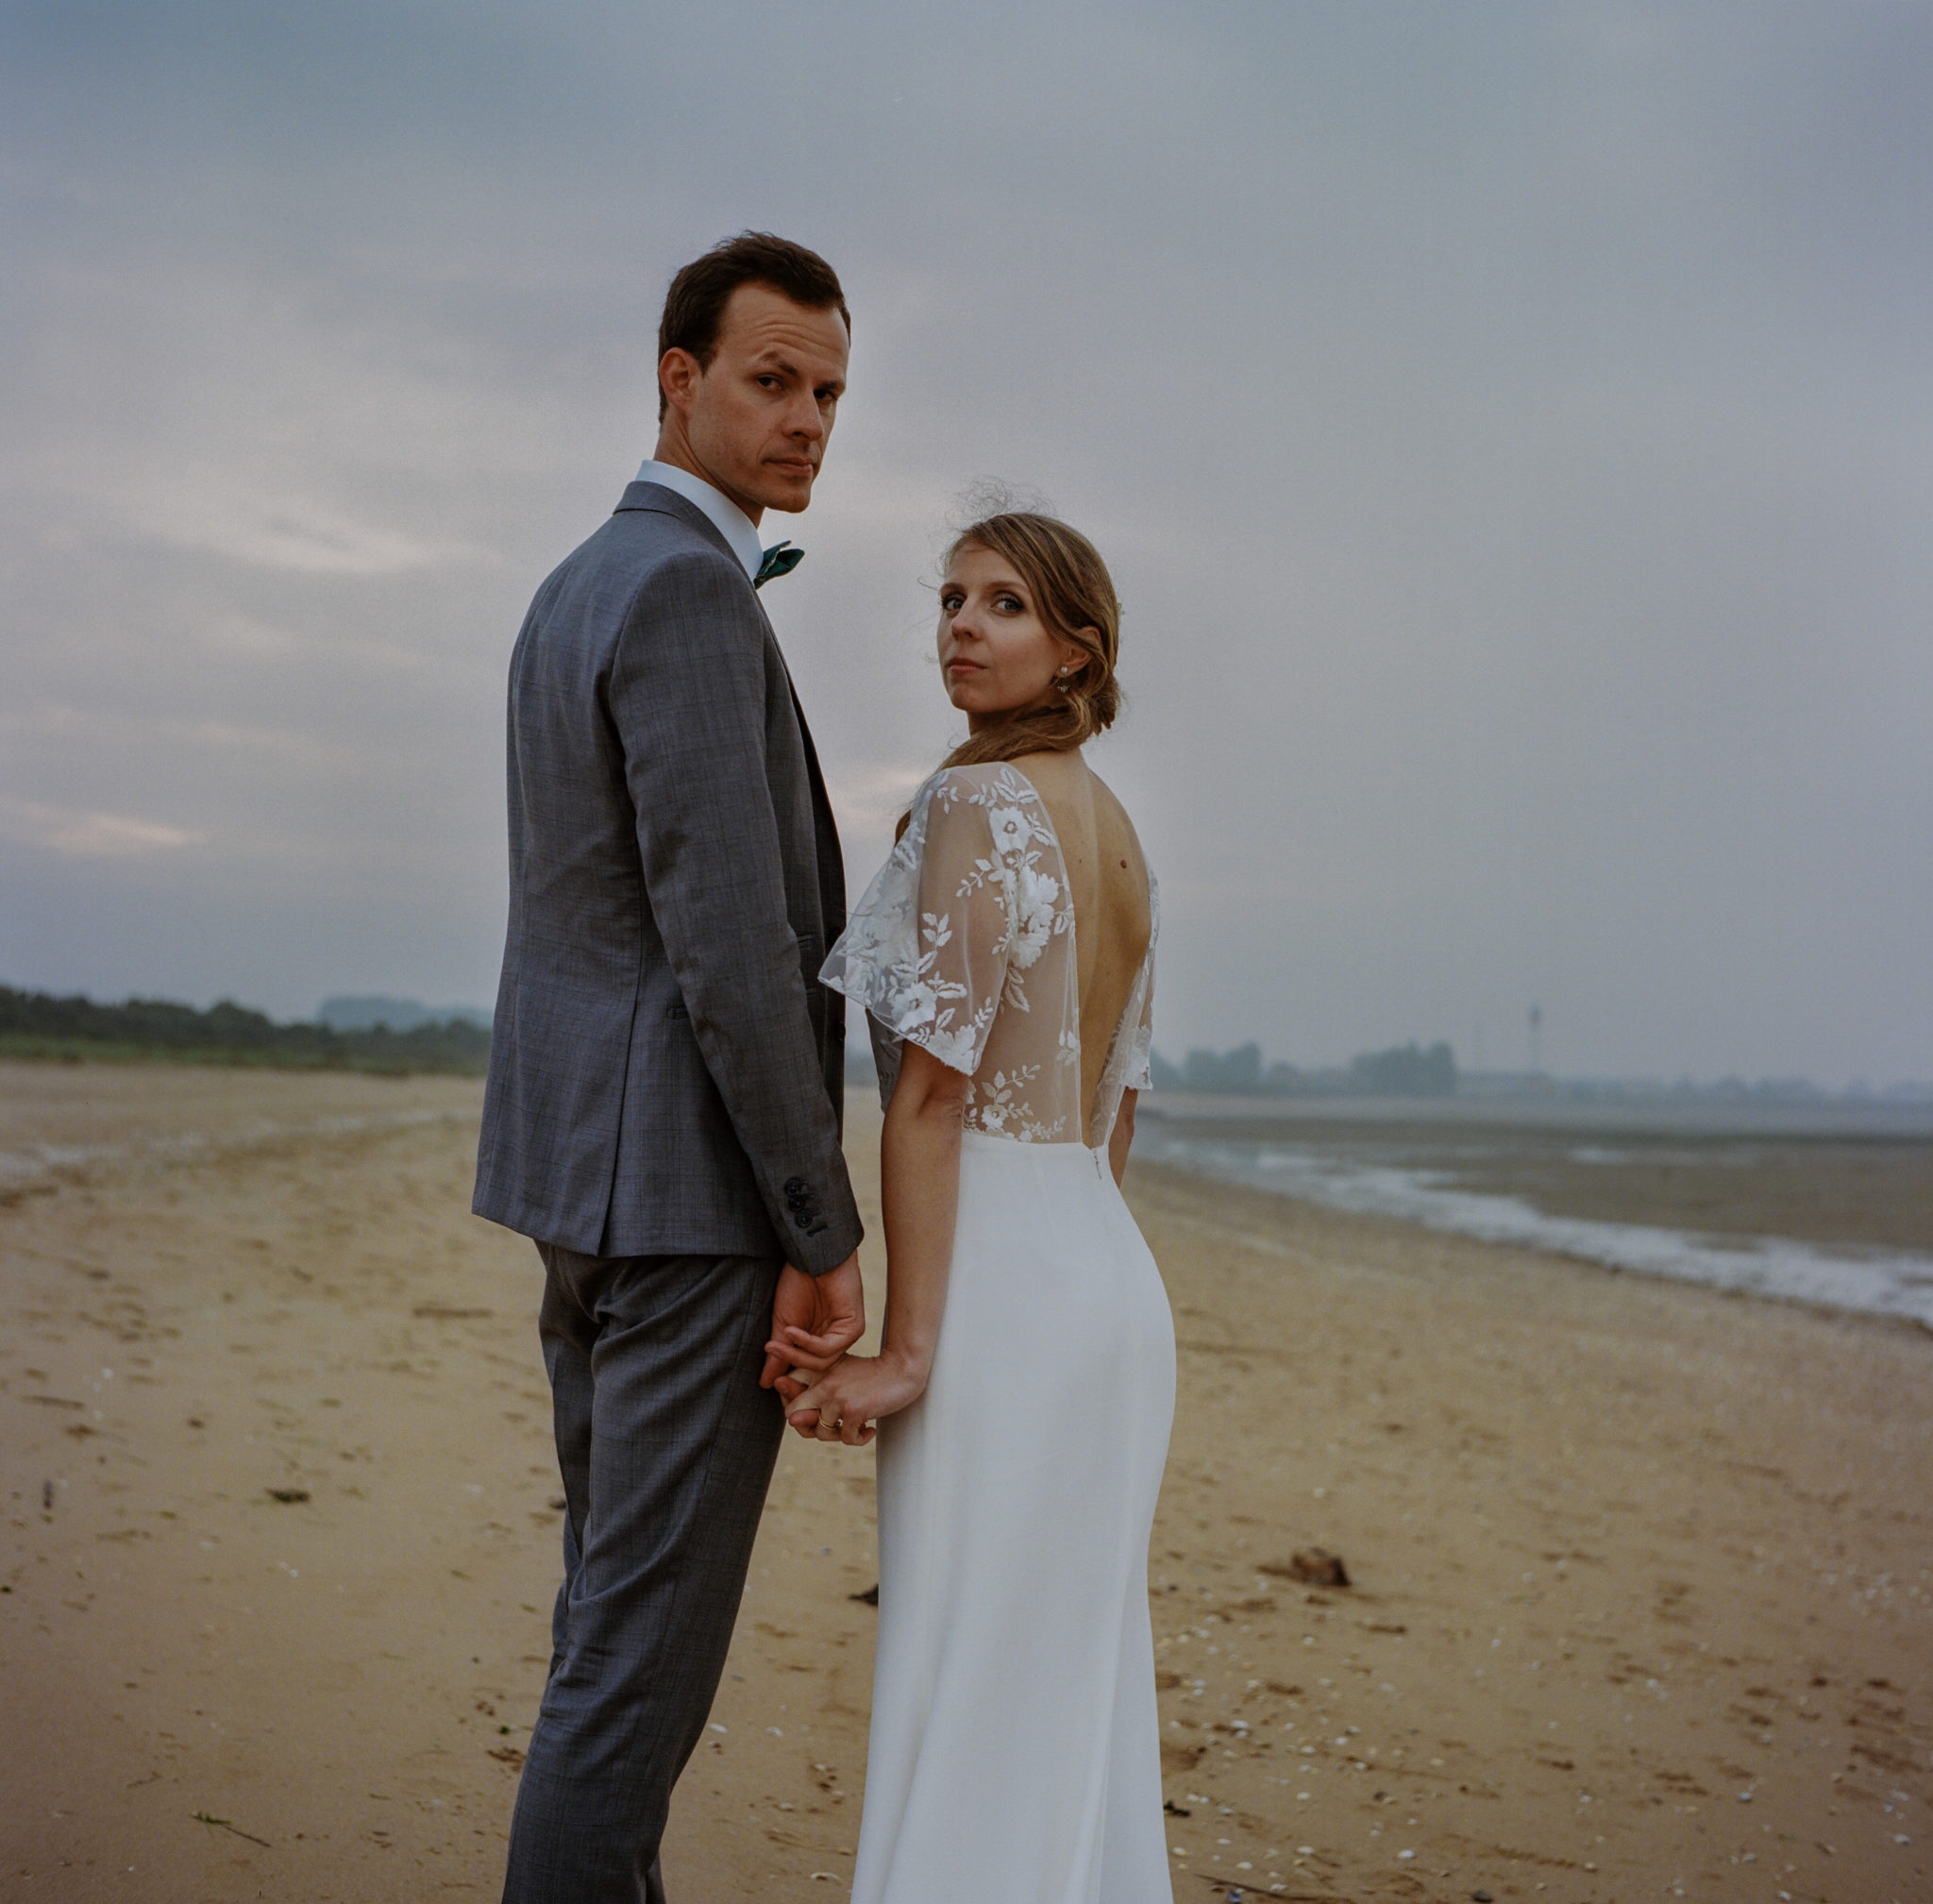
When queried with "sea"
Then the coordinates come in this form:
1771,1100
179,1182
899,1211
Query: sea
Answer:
1829,1205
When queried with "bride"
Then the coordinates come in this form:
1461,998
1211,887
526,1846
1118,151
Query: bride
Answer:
1025,1387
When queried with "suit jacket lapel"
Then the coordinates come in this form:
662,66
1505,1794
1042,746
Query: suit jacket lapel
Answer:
832,860
655,499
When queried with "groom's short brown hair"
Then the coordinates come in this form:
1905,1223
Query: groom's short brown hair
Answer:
694,305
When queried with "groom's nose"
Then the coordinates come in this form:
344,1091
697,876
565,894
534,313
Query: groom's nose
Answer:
802,418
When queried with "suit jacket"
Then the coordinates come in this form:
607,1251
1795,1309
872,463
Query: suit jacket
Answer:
666,1070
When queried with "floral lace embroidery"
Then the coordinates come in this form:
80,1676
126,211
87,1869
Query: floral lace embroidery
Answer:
991,1103
965,944
1032,904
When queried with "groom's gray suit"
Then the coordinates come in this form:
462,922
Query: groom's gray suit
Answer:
663,1117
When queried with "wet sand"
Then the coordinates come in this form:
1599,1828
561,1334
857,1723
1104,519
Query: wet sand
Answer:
1623,1551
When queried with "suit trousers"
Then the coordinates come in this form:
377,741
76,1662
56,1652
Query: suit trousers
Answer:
666,1443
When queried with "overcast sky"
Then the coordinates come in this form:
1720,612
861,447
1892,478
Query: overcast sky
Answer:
1510,428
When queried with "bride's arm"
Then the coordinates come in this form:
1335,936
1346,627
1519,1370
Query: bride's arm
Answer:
920,1157
1121,1138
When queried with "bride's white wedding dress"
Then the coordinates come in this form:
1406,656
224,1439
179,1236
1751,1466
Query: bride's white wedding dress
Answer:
1015,1754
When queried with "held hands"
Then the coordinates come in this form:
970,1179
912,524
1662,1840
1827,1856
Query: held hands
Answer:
815,1321
834,1400
844,1403
832,1396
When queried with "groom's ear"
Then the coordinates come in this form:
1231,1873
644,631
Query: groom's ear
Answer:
678,374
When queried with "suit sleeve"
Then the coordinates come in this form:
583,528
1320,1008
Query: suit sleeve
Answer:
687,693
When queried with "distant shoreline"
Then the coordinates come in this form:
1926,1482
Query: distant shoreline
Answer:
43,1027
33,1050
1837,1214
1839,1118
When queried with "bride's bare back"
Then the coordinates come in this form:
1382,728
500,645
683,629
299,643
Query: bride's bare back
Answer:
1107,880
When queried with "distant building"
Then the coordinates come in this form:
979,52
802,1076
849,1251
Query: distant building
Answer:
1410,1070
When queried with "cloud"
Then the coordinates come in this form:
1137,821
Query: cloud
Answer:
278,529
1507,428
91,835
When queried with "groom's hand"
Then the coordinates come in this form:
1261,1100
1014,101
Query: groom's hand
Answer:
815,1321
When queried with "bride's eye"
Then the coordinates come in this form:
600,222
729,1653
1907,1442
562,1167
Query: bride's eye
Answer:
950,602
1010,604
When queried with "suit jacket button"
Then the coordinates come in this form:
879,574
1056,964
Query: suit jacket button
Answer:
795,1187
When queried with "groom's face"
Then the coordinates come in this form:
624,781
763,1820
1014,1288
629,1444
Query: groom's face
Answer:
758,417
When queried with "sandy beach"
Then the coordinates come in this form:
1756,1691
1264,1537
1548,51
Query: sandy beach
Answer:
1642,1596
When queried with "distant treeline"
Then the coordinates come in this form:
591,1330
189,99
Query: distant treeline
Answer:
1410,1070
38,1025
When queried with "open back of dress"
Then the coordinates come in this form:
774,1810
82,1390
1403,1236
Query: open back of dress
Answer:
964,942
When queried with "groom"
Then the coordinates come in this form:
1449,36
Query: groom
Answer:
663,1105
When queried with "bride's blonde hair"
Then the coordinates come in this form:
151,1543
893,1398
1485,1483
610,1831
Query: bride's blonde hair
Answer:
1074,595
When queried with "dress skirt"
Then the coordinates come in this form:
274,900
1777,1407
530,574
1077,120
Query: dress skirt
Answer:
1015,1752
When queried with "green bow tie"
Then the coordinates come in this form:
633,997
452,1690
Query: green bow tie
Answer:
779,560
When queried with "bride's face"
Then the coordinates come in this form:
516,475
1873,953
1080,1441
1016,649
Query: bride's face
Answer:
996,655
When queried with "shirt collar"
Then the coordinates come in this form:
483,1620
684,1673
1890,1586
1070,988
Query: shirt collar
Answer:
725,515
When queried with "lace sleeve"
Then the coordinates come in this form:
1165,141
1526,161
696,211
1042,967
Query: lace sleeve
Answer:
927,949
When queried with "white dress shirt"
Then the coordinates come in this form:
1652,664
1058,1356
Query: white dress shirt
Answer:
726,517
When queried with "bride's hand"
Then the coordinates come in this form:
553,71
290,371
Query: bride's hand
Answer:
844,1403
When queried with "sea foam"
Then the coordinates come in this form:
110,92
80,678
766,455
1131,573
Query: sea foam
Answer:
1873,1282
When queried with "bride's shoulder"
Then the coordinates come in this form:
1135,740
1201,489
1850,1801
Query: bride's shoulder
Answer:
985,785
1109,813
